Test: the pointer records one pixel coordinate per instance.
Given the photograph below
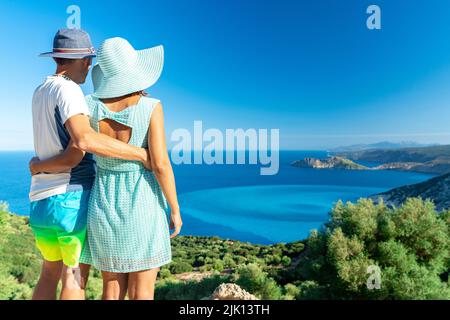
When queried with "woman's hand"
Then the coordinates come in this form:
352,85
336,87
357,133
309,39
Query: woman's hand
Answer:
175,223
33,165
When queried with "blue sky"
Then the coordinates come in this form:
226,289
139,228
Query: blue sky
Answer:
310,68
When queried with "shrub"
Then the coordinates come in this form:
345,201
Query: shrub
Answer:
291,292
409,244
285,261
252,278
164,273
180,267
218,265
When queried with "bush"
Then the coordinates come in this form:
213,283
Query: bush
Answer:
180,267
409,244
94,287
285,261
291,292
311,290
218,265
252,278
19,260
11,289
164,273
228,261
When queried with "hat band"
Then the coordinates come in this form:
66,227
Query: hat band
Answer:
74,51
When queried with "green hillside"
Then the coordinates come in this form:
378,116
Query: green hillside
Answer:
410,245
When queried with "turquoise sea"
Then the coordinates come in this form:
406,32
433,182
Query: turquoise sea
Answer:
236,202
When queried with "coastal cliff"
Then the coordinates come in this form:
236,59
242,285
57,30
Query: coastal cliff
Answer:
436,189
431,159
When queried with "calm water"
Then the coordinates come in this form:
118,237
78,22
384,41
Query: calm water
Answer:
235,201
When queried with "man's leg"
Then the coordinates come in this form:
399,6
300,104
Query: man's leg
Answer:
48,281
41,213
72,212
74,281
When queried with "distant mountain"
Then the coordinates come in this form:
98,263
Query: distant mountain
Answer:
432,159
439,165
380,145
436,189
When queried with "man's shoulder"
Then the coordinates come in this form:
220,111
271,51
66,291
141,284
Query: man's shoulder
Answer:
68,86
59,87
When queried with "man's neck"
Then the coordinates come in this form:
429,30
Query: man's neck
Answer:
64,72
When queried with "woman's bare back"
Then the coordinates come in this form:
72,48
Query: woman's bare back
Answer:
113,128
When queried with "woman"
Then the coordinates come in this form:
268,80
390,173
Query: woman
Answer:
128,235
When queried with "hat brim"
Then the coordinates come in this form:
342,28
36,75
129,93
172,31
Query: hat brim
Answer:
67,55
142,75
97,76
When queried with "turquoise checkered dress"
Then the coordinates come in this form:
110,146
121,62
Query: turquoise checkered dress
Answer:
127,219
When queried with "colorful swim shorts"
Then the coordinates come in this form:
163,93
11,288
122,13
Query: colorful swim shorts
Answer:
59,225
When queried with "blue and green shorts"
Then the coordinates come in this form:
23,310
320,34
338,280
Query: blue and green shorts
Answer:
59,226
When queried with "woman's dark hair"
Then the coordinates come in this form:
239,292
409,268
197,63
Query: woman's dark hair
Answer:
144,93
141,92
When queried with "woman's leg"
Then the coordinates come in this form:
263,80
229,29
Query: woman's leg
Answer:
114,285
141,284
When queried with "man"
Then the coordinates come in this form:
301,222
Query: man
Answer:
59,201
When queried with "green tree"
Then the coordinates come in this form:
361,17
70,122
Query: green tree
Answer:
285,261
253,279
409,244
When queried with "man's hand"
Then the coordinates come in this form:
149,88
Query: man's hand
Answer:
88,140
147,160
32,165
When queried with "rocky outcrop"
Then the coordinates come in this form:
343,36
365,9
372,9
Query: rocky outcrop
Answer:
230,291
397,166
328,163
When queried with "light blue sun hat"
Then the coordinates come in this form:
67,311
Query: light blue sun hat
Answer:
122,70
97,76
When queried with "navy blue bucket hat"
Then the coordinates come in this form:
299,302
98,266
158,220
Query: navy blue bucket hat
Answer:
71,44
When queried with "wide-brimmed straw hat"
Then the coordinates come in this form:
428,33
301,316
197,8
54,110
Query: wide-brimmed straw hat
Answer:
122,70
71,44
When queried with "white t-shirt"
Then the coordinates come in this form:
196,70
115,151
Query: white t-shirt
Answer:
54,102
